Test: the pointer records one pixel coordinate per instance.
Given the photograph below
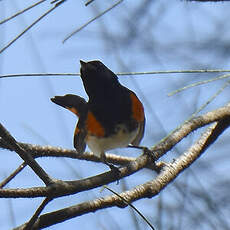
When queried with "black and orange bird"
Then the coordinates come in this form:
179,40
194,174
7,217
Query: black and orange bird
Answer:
112,118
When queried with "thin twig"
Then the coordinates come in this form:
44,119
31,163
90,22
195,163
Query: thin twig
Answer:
33,219
39,75
87,3
211,99
132,206
30,26
177,71
198,83
12,175
21,12
197,111
91,20
121,73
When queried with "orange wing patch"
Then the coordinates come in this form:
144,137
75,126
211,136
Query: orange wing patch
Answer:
93,126
137,108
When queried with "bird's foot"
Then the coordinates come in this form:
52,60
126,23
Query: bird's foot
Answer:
115,170
145,150
150,154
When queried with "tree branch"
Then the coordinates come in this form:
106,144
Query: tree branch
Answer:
189,126
146,190
10,141
62,188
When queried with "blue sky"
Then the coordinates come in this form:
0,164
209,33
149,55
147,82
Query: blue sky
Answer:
168,38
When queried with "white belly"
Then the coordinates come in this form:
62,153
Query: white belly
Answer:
118,140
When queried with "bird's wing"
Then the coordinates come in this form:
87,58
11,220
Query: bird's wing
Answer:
79,138
79,107
140,134
74,103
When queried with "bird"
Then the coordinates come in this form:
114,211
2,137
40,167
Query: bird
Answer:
113,117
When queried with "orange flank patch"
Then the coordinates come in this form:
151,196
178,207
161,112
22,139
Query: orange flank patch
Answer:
93,126
137,108
73,110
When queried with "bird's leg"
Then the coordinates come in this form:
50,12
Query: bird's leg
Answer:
112,167
150,153
145,150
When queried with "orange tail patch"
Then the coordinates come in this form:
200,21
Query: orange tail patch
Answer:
73,110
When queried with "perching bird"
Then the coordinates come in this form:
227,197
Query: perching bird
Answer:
112,118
